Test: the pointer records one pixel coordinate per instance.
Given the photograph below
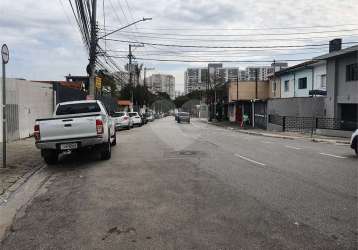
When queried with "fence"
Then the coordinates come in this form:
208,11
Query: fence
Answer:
304,124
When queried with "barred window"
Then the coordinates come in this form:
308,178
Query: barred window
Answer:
287,85
352,72
302,83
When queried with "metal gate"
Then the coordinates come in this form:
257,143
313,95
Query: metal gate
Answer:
261,115
12,122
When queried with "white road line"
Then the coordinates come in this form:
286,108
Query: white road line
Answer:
268,142
335,156
287,146
250,160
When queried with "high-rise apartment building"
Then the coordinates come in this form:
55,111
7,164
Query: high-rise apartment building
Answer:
161,83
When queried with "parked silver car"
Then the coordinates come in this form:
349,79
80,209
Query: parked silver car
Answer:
122,120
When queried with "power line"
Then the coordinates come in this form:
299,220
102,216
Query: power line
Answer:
226,47
247,29
226,55
239,35
211,61
244,40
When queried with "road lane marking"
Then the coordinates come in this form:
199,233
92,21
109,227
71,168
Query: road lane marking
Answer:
335,156
268,142
292,147
250,160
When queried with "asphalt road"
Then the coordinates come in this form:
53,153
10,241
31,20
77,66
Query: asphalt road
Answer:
196,186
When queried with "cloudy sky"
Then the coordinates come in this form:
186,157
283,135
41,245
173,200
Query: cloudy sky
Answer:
45,43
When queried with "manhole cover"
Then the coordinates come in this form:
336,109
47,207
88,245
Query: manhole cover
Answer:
184,153
187,152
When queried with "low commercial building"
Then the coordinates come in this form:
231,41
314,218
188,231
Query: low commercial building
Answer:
248,98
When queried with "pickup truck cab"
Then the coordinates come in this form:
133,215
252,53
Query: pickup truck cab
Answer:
74,126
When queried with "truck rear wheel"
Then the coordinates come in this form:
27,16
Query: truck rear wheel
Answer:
50,156
106,151
114,142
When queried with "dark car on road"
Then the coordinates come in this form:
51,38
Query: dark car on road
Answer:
144,118
183,117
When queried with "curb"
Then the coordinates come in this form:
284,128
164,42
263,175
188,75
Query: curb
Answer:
330,141
281,136
11,189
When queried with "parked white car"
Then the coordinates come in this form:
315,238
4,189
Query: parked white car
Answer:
74,126
122,120
354,141
136,119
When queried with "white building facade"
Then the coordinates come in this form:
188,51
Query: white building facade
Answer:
299,80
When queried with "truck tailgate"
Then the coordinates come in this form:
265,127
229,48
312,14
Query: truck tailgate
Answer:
68,128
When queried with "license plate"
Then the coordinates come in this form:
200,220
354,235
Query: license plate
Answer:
68,146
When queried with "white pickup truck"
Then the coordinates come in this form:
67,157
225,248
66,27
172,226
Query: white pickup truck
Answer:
74,126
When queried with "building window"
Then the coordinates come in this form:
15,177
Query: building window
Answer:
287,85
274,86
323,81
302,83
352,72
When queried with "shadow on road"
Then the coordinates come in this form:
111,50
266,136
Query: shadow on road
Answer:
77,160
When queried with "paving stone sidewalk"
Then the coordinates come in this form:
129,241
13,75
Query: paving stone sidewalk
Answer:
22,158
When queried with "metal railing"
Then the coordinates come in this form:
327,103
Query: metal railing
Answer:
303,124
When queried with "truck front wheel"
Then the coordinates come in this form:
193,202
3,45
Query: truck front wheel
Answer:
50,156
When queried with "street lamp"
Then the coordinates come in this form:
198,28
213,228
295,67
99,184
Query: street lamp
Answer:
126,26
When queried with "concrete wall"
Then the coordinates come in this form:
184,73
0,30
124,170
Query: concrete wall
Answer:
32,100
299,106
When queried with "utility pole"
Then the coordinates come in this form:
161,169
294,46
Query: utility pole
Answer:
93,51
130,71
130,67
215,95
256,76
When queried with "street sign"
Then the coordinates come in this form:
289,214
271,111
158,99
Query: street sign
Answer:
5,53
5,60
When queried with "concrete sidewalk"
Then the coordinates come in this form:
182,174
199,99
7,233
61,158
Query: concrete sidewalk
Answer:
23,159
275,134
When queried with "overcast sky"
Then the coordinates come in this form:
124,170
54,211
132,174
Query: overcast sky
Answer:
45,43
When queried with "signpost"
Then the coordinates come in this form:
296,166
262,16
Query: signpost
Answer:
5,60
